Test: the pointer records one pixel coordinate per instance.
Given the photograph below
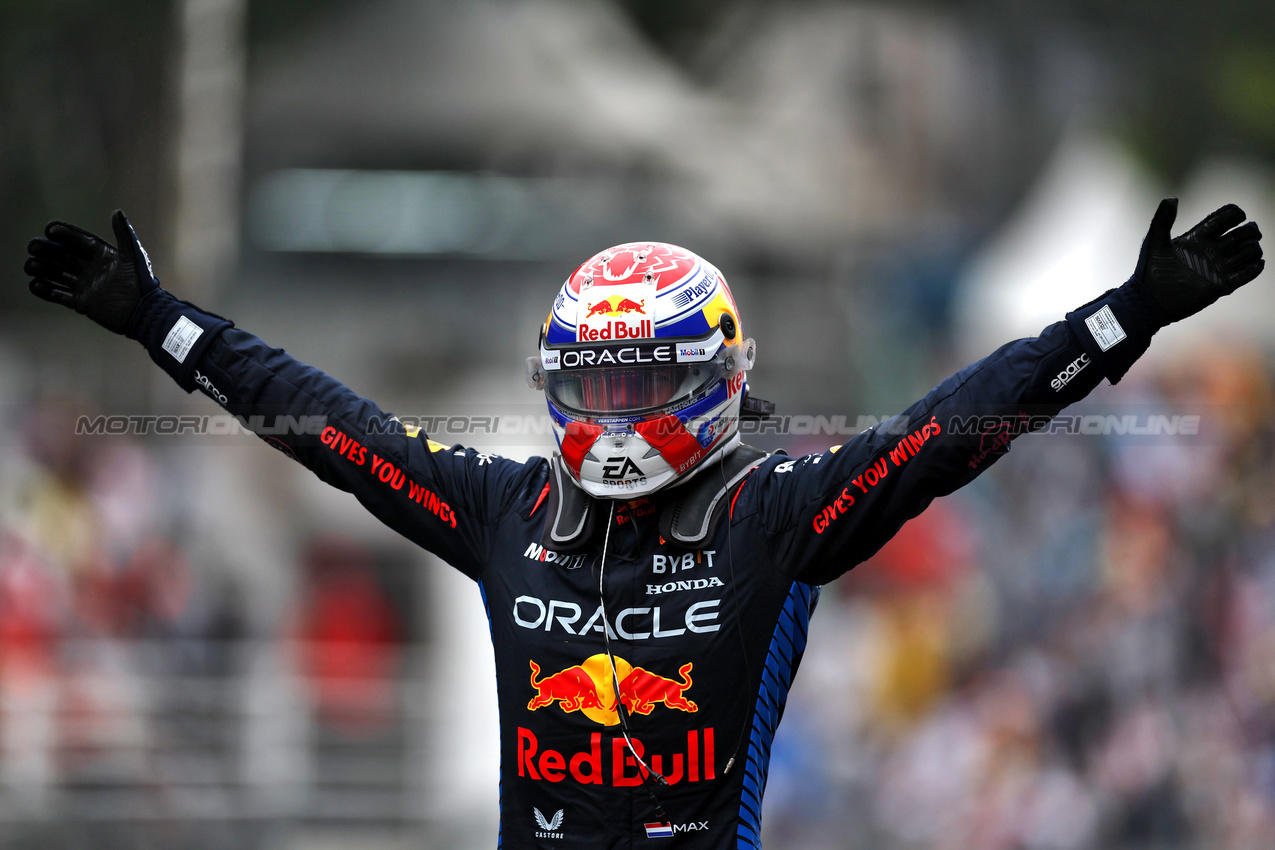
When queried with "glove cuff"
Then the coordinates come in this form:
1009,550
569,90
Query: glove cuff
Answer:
1116,328
176,333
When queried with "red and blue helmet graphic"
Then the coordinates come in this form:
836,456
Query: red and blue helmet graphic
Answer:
644,361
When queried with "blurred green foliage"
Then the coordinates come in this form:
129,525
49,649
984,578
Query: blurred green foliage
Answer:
1246,90
1195,77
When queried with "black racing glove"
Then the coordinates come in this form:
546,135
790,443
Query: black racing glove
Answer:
1174,278
77,269
1187,274
117,289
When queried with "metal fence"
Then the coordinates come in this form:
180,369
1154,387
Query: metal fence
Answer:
199,744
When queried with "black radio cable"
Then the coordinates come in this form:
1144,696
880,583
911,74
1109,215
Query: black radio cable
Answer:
615,678
739,628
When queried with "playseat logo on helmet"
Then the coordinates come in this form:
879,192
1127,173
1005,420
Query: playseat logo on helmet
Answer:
695,291
620,468
630,355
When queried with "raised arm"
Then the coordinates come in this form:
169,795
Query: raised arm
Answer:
442,498
827,512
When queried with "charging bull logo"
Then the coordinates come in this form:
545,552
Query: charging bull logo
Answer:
589,687
641,690
573,688
616,306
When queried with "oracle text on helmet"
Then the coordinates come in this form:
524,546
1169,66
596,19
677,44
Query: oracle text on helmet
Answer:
577,358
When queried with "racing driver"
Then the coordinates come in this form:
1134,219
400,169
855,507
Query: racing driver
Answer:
648,586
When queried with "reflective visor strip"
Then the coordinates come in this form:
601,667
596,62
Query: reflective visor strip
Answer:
623,391
607,387
631,353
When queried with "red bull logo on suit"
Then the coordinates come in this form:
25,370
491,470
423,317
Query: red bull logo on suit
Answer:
613,764
589,687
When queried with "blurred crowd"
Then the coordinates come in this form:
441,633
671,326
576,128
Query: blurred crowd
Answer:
1077,651
115,644
132,686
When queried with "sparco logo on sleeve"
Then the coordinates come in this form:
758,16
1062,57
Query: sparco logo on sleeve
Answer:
203,381
1073,369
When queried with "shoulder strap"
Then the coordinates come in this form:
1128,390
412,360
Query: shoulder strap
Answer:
689,518
569,511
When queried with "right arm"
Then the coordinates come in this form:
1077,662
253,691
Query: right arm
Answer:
444,499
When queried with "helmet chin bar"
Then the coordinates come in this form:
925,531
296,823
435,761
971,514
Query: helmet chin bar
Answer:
621,464
663,477
647,452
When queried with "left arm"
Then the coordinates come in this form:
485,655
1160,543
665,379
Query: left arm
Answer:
825,513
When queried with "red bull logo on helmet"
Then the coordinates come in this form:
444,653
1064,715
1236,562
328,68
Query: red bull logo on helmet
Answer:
615,311
616,306
589,688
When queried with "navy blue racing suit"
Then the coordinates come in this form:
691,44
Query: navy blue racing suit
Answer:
706,641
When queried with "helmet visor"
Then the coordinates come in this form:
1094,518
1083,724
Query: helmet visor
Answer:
629,389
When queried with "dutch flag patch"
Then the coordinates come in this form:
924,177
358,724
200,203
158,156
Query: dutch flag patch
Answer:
659,830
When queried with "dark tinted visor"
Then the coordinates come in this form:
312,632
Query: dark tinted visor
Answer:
629,389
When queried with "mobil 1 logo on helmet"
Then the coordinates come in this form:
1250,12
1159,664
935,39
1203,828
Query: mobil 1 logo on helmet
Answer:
616,311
